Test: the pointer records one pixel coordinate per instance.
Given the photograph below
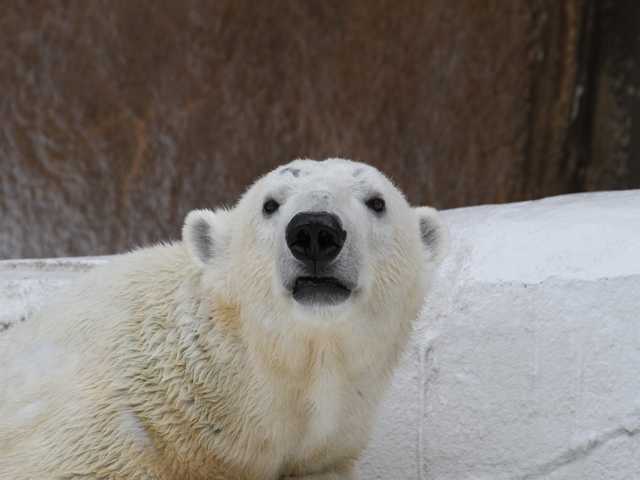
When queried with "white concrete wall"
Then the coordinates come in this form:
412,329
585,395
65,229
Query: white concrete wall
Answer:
526,363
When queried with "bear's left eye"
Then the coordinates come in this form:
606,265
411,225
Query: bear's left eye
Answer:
270,206
376,204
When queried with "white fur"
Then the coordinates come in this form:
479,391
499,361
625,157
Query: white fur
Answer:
193,360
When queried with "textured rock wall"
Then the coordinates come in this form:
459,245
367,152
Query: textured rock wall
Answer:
525,364
117,117
615,129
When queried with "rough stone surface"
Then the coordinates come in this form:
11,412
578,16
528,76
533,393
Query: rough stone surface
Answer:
615,131
525,363
117,117
26,284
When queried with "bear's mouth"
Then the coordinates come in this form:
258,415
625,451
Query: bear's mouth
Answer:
320,291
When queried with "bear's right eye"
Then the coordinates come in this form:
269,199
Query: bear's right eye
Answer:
270,206
376,204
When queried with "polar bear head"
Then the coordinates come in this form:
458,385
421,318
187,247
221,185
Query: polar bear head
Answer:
318,242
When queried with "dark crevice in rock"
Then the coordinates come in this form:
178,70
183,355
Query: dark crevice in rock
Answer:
581,451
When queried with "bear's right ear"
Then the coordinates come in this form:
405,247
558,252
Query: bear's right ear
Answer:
203,234
433,233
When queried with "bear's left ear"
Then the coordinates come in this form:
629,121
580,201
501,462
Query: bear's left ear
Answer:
204,234
433,233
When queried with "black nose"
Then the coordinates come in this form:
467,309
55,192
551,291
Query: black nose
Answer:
315,237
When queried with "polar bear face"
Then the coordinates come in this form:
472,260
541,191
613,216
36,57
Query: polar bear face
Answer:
317,241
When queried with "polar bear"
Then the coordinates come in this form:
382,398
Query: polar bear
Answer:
255,349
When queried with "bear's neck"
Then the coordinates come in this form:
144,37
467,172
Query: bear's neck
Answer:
294,354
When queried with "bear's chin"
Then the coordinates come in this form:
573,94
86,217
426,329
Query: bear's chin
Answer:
320,291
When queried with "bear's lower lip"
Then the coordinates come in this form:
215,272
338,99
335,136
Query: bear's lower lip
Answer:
320,291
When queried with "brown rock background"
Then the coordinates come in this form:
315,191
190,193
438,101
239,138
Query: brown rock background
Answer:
117,117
